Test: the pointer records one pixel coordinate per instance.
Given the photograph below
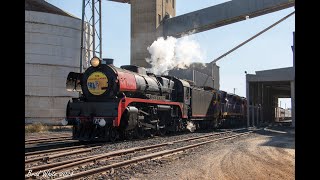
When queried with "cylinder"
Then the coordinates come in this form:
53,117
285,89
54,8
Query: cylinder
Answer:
163,108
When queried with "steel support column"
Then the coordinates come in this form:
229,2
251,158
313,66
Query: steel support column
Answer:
292,84
252,103
90,27
293,106
248,104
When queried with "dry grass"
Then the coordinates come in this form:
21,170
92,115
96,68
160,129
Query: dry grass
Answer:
36,127
39,127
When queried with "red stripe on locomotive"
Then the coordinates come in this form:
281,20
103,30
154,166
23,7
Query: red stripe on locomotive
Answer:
126,101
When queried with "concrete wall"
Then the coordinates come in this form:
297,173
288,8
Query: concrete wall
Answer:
52,50
216,76
146,16
281,74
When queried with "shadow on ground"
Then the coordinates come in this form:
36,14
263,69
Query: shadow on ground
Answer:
279,136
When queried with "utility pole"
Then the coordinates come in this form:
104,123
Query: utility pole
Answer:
234,90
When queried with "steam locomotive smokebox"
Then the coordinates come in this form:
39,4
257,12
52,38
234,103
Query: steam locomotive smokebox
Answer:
108,60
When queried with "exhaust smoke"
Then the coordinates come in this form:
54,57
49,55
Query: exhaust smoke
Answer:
170,53
190,126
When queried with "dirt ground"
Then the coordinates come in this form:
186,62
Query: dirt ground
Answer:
267,154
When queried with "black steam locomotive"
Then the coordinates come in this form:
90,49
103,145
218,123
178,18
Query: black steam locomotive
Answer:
128,102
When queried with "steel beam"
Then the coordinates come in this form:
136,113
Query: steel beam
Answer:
121,1
220,15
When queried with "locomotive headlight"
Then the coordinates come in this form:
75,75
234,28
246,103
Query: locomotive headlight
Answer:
95,61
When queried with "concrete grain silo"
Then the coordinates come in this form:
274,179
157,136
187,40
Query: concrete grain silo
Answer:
52,50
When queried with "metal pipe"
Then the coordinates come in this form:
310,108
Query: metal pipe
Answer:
194,77
93,29
162,10
100,29
81,46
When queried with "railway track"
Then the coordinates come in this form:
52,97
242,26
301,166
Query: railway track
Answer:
46,155
56,150
55,146
47,139
47,136
118,158
52,146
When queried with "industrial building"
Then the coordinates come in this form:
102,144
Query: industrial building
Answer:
207,74
52,50
263,90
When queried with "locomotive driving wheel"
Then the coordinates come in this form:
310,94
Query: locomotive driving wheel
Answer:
162,130
113,134
139,133
129,134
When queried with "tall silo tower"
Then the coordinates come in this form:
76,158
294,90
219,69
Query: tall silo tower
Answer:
52,50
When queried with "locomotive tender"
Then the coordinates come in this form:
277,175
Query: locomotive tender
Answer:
128,102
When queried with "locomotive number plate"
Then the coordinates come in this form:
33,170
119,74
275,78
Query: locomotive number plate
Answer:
97,83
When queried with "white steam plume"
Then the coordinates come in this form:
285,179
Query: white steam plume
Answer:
170,53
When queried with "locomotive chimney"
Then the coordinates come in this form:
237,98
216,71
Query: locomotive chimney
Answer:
108,60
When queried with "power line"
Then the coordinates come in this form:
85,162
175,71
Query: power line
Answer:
243,43
233,49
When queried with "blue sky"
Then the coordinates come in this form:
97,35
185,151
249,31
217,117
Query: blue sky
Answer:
271,50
